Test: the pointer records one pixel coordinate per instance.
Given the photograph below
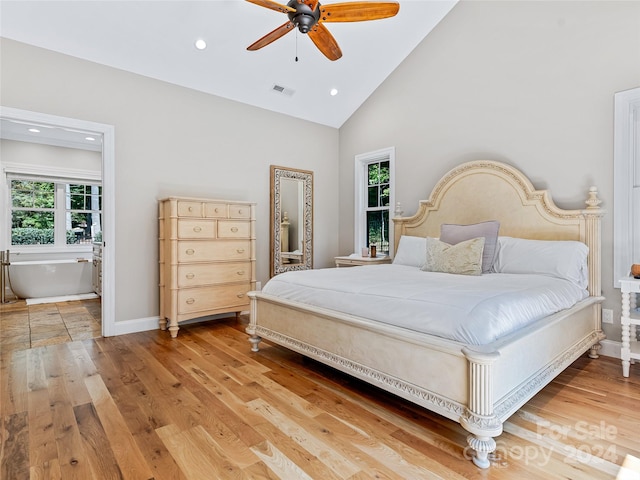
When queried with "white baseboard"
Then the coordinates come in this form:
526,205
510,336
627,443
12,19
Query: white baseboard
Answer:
136,325
610,348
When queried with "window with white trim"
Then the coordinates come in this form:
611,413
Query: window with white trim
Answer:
375,194
54,211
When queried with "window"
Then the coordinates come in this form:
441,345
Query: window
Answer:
374,197
54,212
626,183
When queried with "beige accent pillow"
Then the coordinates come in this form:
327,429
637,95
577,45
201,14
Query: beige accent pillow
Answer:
464,258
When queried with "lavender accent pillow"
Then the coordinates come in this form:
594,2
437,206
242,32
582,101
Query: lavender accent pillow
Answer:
453,234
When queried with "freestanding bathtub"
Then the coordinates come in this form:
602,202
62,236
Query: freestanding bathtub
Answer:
50,278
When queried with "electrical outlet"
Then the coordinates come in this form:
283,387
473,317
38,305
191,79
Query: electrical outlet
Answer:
607,315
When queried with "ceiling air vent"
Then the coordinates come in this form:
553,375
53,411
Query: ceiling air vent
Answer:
283,90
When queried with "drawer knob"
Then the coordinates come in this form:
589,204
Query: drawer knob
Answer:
234,229
190,301
240,212
197,228
216,210
190,276
240,272
191,209
240,250
240,295
190,251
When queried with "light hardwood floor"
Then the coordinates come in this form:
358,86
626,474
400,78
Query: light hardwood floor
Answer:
202,406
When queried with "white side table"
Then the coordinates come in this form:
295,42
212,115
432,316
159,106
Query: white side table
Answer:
630,288
357,260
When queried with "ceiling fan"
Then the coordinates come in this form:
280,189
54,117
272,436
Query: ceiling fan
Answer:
309,16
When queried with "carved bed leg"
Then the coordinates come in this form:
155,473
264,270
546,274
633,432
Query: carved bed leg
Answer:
255,340
479,419
482,429
482,446
593,351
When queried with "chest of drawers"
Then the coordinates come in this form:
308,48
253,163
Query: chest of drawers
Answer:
207,258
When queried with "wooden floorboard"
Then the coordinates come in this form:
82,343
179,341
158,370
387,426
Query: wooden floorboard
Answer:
203,406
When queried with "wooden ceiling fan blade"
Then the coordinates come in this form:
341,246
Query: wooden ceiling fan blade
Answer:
358,11
325,42
272,36
273,5
312,4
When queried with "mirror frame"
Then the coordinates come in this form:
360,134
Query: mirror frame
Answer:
277,173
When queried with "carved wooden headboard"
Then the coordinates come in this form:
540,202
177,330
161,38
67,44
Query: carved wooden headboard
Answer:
486,190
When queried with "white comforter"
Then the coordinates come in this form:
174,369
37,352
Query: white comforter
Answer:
470,309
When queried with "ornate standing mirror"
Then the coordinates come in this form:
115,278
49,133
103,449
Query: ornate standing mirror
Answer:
291,219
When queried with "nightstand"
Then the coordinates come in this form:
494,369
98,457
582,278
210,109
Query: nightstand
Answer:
630,288
357,260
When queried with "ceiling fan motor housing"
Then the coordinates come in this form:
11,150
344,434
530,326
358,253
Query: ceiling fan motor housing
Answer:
304,18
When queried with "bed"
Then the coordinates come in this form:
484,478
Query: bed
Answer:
478,382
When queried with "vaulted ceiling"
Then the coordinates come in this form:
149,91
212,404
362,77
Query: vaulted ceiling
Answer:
157,39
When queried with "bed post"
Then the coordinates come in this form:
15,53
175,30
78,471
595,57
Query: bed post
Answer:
251,328
593,214
478,418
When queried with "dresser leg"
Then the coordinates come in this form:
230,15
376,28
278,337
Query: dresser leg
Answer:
173,328
163,323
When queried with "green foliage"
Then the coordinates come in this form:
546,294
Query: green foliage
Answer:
378,195
29,194
31,219
32,236
377,233
378,173
81,198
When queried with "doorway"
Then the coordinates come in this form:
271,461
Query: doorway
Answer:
106,132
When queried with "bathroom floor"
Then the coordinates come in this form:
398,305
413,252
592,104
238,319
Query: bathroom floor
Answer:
25,326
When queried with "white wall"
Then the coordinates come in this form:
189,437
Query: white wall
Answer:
527,83
174,141
30,154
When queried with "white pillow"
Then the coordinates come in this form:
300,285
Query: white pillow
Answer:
562,259
411,251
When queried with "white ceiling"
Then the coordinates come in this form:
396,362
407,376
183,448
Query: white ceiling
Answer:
156,39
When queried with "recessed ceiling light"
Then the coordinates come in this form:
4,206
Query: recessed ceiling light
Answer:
91,139
34,130
334,92
201,44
